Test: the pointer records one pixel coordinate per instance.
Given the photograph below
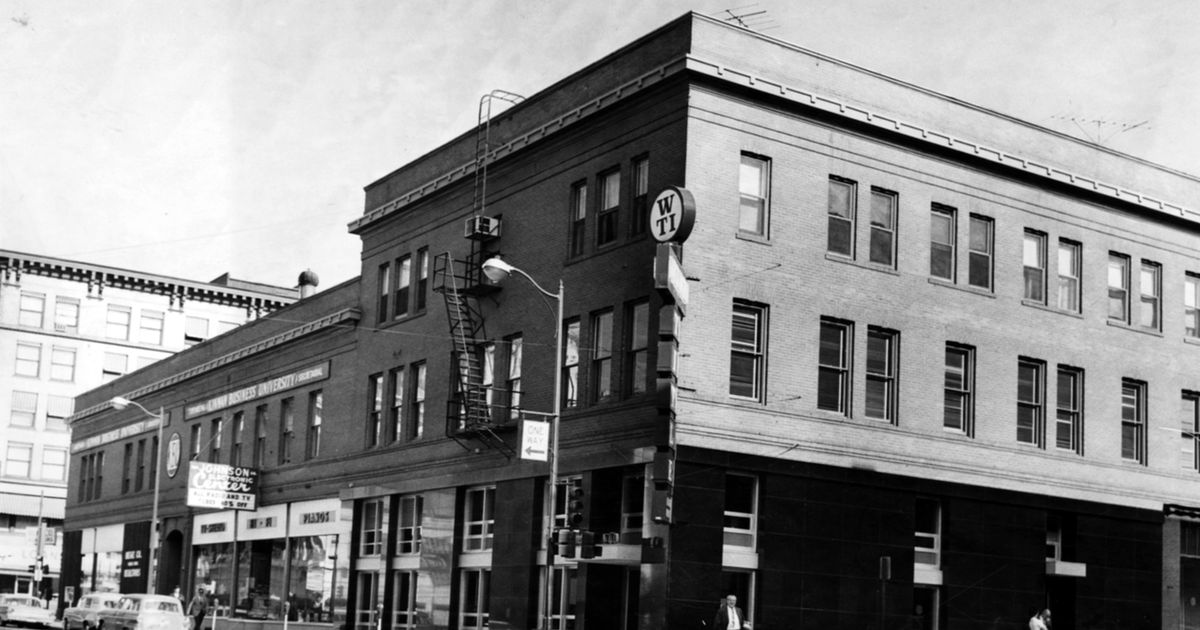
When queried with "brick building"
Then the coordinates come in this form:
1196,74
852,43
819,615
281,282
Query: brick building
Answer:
919,365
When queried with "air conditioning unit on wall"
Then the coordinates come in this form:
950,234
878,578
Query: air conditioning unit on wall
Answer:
481,228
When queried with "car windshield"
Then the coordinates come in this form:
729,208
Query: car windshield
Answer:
130,604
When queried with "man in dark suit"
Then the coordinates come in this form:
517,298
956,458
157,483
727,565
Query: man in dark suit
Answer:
729,616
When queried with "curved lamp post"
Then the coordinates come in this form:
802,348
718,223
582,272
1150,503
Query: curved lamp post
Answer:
152,573
497,271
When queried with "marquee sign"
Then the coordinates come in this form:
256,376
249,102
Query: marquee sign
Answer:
222,487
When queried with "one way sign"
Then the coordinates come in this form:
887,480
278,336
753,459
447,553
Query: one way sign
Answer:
535,440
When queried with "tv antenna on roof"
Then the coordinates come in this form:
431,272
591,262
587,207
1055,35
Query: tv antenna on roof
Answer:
1105,130
747,17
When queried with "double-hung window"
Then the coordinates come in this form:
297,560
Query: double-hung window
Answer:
748,357
23,409
1191,306
150,329
373,522
1068,275
239,437
1189,431
637,356
62,364
479,519
979,267
842,193
403,284
641,197
610,205
29,359
570,363
601,377
384,284
19,462
66,314
1068,421
883,349
578,218
216,437
416,407
942,250
32,310
115,365
287,429
1150,302
396,383
1034,261
833,357
883,226
754,189
1118,288
1031,400
1133,420
117,324
260,436
316,417
408,534
375,411
959,389
422,297
514,377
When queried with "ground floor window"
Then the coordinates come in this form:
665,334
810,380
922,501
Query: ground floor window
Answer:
252,580
741,584
563,597
473,599
925,607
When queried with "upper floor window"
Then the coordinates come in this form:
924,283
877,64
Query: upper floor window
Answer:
372,525
883,227
54,464
422,279
883,348
1189,431
1191,306
66,314
754,189
384,290
578,218
62,364
601,376
1118,288
197,441
375,411
29,359
117,323
24,409
316,417
748,351
833,358
571,363
641,196
633,498
1034,259
479,519
19,460
959,389
741,510
514,377
416,411
216,437
1133,420
474,598
928,533
489,375
195,330
610,205
842,194
637,334
398,386
150,327
1149,312
408,534
32,310
979,272
58,409
1068,421
942,242
403,282
236,451
115,365
1068,275
260,436
1031,387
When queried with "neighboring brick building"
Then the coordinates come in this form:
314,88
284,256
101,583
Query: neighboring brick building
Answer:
923,366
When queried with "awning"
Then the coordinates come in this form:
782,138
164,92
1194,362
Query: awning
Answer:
25,505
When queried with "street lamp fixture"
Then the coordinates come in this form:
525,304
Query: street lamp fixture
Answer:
124,403
497,271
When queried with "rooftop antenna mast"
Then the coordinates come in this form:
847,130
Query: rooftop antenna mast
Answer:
747,16
1105,130
483,143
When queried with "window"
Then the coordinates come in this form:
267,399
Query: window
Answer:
578,217
637,358
239,436
1133,420
150,328
1031,387
1068,421
54,464
396,409
127,469
942,242
958,391
312,442
570,375
564,597
195,330
479,519
196,441
154,452
403,282
372,527
19,461
32,310
1034,259
58,409
1151,287
748,355
417,406
489,376
260,436
66,314
754,188
1191,307
384,286
408,535
474,598
1068,275
140,475
641,196
633,508
514,377
62,364
1189,431
373,415
406,605
833,358
927,549
979,272
216,437
741,508
1118,288
29,359
601,377
24,409
422,279
883,227
882,365
842,193
115,365
287,429
610,205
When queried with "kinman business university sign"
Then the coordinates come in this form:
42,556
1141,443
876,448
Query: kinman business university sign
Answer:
220,486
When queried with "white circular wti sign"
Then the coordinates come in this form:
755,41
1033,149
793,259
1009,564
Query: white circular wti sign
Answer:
672,215
174,454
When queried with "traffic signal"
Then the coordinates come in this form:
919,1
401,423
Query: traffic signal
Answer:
565,543
588,548
575,507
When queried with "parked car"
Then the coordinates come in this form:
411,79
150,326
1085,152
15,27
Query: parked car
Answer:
24,610
144,612
83,614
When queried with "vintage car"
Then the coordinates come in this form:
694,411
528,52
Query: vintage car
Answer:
144,612
24,610
83,614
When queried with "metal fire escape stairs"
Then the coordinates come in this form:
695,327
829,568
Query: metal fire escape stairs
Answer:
470,418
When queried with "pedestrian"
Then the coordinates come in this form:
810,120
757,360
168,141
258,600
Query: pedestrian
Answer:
1040,620
198,608
729,616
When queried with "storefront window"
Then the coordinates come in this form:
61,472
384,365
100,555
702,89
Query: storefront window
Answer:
260,584
314,590
108,572
310,587
214,570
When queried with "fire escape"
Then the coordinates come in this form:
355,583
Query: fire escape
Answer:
471,419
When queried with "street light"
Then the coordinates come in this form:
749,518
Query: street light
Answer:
497,270
122,403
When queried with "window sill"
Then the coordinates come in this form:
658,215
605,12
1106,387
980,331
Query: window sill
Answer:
956,432
891,271
949,284
1050,309
1136,329
1192,340
753,238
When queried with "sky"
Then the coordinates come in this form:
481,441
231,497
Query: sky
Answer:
192,138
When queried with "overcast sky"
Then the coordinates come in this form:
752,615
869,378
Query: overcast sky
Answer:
196,137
